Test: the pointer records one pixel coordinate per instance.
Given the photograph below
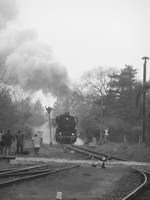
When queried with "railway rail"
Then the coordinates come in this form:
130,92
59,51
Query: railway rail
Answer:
142,192
8,177
92,154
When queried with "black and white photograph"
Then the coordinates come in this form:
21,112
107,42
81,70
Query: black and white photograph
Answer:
74,99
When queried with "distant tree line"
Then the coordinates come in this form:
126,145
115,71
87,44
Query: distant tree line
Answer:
19,113
108,99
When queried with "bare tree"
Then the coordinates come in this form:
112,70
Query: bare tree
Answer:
96,86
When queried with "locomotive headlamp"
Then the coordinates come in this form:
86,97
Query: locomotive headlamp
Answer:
72,134
60,133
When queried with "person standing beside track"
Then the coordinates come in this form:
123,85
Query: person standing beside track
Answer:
7,139
1,142
20,142
36,140
106,135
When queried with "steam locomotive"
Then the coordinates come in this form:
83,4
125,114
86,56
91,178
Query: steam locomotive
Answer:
65,131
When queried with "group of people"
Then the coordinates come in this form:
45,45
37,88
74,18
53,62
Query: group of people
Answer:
6,140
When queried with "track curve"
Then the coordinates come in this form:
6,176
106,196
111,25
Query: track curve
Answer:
134,194
140,192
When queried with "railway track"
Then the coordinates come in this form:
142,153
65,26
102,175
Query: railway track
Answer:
92,154
142,192
17,175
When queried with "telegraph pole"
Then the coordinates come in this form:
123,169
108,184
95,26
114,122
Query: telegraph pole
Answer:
144,100
49,109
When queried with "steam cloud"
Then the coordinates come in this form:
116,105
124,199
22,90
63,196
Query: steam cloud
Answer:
28,62
8,11
30,65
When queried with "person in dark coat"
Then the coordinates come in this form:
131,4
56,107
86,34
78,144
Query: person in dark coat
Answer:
7,139
2,145
20,142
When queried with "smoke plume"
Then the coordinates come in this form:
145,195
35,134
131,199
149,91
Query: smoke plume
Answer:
30,65
28,62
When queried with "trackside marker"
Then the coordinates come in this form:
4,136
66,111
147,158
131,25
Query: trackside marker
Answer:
59,196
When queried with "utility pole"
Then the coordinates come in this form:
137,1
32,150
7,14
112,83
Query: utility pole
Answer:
49,109
144,100
101,125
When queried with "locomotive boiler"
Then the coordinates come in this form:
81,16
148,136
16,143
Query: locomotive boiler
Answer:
65,131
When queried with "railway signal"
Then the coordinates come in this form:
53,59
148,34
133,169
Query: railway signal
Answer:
49,109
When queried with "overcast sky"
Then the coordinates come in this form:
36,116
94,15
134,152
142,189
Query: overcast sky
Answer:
84,34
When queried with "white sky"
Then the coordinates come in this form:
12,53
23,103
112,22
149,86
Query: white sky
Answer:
87,33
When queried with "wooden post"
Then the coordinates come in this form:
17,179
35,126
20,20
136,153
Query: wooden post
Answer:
144,101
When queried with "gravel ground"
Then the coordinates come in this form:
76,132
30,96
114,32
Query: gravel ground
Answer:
124,186
85,183
92,183
133,152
